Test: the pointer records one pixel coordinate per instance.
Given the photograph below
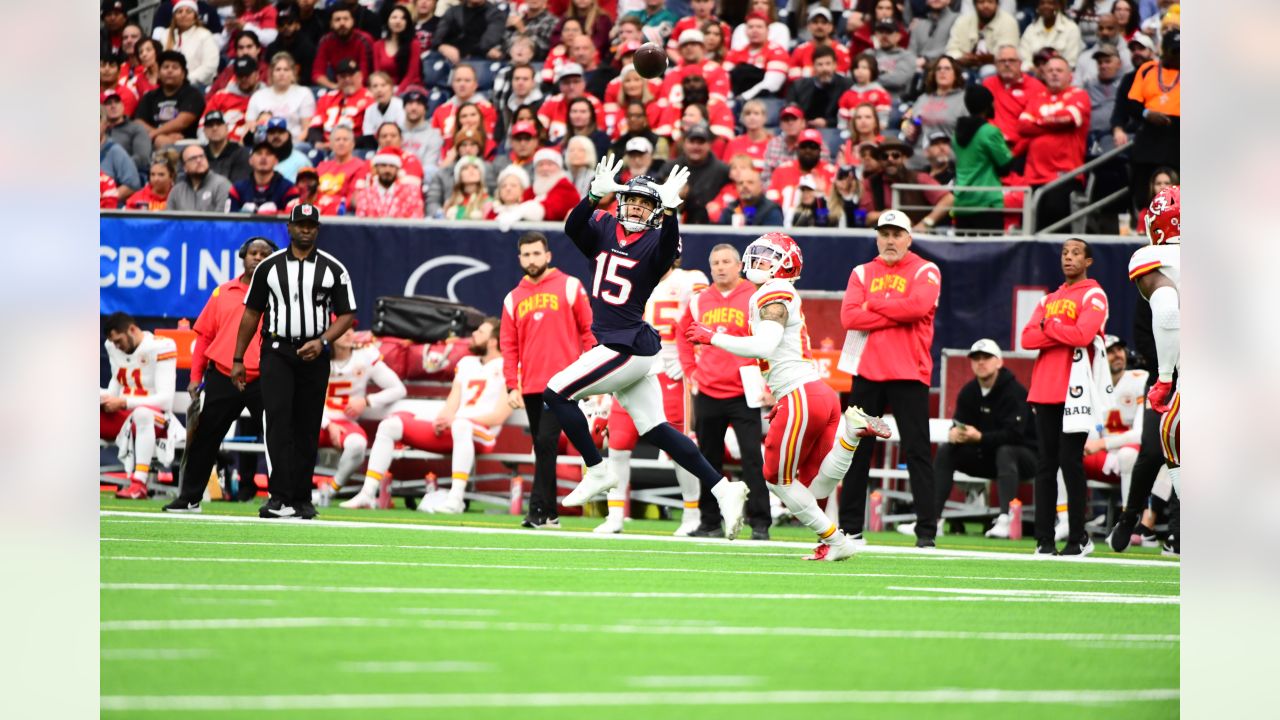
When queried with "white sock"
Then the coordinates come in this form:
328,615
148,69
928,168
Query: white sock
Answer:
1163,487
834,466
353,448
459,487
464,451
1127,457
804,507
384,443
144,442
1175,477
619,465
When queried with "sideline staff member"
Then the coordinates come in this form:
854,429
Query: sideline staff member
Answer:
216,330
302,286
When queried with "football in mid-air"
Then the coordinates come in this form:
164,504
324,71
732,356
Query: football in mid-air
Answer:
650,61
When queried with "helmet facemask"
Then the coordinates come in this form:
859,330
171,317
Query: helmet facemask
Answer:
637,212
761,262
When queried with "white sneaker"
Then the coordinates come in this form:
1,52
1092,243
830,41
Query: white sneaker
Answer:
1001,528
857,540
611,526
689,522
360,501
595,480
910,529
432,502
451,506
732,496
858,424
841,550
1062,529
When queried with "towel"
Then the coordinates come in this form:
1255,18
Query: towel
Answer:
1088,389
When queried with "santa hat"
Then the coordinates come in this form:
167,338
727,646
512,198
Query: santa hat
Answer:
465,161
188,4
517,172
548,155
388,156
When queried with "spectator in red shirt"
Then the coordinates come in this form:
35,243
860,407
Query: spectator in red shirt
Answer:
1056,127
820,94
704,11
246,44
694,61
338,174
255,16
398,53
464,84
385,194
108,192
877,190
154,196
109,80
553,113
866,89
784,182
755,138
761,67
863,38
347,103
820,30
233,102
1013,91
343,44
145,72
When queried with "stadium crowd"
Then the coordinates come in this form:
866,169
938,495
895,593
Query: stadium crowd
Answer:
787,114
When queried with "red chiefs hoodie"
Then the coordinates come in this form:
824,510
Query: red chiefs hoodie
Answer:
1065,319
545,326
900,301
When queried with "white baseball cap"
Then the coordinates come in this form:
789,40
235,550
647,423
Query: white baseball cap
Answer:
640,145
985,345
894,218
568,70
692,36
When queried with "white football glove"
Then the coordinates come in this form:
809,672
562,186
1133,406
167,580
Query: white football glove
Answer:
603,183
669,191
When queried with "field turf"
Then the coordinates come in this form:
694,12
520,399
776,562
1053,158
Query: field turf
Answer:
394,614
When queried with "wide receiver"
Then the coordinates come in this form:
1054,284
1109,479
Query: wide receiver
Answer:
805,444
663,311
629,254
471,418
350,370
134,408
1156,270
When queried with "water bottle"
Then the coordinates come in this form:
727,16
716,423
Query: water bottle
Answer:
876,521
517,495
820,212
342,206
749,211
1015,519
859,218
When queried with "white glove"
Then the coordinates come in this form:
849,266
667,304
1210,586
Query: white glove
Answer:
507,219
266,208
669,191
1111,466
603,183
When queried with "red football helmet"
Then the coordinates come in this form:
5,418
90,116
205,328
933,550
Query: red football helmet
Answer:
782,253
1164,221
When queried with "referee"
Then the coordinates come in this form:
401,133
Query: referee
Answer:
299,288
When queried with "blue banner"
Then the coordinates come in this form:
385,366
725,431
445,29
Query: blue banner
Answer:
166,267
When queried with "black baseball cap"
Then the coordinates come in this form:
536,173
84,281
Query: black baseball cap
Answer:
414,96
109,6
700,131
245,66
286,13
345,67
305,213
214,118
886,25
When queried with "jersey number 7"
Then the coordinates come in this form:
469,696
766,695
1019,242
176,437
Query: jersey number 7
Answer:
607,267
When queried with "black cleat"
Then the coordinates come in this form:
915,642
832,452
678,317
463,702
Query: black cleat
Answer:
275,509
1148,535
538,522
1045,550
926,542
760,533
305,510
1122,534
182,506
1078,549
716,531
1171,546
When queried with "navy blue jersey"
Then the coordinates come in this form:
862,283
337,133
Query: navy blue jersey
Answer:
625,267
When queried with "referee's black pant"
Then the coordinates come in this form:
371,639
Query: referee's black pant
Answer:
712,418
909,400
545,429
293,392
220,405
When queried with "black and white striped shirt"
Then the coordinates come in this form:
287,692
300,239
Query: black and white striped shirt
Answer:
296,296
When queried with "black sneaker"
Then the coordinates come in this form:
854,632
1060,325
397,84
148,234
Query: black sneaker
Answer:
538,522
926,542
716,531
1122,534
182,506
1045,550
275,509
1171,546
1148,535
305,510
1078,549
760,533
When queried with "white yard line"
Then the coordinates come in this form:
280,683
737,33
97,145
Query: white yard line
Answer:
490,566
434,667
645,628
387,701
601,594
931,554
693,681
153,653
619,551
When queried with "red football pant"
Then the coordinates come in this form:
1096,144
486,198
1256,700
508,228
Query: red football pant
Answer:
802,431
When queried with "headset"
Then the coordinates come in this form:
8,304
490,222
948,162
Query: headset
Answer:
244,249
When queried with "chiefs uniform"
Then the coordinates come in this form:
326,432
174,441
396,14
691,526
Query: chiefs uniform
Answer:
1122,431
350,379
146,379
1165,259
336,107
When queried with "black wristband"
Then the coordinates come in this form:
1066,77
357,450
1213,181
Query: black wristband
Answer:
238,360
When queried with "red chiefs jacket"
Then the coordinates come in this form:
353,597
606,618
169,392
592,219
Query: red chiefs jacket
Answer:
545,326
895,304
1065,319
713,369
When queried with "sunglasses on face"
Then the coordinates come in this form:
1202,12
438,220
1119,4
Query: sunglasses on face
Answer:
894,155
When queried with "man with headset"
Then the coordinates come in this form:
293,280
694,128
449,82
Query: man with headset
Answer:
220,401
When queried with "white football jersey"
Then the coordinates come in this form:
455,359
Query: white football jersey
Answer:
350,378
483,387
148,375
666,306
791,364
1167,259
1124,411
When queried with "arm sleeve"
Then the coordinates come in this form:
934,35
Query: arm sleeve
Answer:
509,342
392,389
852,316
1087,325
1033,338
1166,324
669,245
760,343
579,229
344,296
916,304
166,381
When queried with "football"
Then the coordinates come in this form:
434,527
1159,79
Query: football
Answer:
650,61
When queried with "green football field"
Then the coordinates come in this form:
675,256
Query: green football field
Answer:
394,614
